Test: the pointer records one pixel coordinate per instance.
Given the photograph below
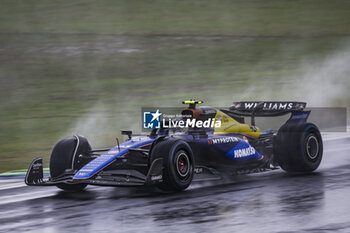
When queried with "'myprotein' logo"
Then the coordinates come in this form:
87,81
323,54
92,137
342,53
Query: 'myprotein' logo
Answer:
222,140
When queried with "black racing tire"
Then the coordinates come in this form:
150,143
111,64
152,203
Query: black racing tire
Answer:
62,156
178,164
298,147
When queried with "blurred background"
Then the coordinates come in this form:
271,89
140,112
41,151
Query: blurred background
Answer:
88,67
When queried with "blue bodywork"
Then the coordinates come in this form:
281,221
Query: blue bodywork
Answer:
110,156
230,145
298,117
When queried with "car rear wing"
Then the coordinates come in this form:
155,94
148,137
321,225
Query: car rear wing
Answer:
269,109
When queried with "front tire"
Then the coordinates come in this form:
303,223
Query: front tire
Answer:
298,147
64,156
178,164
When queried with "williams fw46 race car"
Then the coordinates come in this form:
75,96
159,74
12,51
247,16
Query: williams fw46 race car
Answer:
172,157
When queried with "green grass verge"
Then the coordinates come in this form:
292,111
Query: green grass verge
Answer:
240,17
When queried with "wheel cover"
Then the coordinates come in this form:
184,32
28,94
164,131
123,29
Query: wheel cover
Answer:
312,147
183,165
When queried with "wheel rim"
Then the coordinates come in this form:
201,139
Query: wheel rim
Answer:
312,147
183,165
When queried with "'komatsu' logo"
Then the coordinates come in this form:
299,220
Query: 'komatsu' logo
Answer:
239,153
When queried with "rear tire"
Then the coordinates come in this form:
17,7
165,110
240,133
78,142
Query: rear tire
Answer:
178,164
62,156
298,147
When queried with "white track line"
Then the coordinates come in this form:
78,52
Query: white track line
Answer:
26,196
333,136
10,181
345,148
12,186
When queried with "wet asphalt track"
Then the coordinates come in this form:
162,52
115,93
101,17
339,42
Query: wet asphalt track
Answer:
265,202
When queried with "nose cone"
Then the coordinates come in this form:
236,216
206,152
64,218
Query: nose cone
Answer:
109,157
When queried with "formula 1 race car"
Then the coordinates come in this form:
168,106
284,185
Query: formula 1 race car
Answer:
171,158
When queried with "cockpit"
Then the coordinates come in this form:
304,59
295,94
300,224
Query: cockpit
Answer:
219,121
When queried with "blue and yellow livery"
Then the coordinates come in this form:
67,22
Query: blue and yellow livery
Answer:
172,159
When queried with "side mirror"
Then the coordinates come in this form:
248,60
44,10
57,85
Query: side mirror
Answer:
127,132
